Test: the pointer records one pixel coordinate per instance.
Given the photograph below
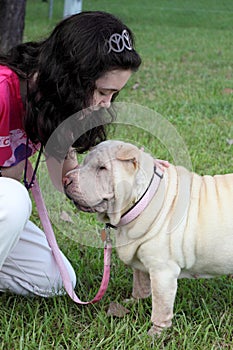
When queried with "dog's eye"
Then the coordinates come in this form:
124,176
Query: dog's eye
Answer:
102,167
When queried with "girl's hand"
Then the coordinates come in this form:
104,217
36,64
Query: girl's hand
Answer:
162,164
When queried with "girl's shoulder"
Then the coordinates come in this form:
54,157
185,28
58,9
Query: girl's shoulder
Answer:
9,85
7,74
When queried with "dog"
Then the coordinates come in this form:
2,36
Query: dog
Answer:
184,230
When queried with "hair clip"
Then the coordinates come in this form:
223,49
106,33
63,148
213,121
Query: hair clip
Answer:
119,42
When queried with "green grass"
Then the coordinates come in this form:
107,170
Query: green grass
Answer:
186,48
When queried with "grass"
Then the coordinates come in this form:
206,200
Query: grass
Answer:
186,77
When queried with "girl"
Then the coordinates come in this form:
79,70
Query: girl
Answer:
86,61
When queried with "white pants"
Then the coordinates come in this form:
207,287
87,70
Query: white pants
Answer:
27,265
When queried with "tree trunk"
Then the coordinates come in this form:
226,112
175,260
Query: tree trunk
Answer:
12,15
71,7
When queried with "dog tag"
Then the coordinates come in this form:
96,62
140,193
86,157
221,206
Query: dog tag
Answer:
103,235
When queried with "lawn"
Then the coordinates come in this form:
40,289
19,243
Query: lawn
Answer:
185,84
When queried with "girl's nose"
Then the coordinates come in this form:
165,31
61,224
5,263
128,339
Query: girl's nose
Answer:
105,101
106,104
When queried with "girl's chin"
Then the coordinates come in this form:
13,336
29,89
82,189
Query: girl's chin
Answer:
95,108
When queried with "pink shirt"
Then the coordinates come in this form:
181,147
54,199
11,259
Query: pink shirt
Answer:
12,135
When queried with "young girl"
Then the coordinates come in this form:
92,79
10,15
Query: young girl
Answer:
86,61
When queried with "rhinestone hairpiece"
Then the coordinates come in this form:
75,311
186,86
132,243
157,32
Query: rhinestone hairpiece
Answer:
119,42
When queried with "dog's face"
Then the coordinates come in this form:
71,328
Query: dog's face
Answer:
107,181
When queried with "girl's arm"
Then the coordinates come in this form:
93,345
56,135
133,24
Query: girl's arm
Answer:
58,169
14,172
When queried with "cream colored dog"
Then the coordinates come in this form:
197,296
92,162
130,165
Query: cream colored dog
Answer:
185,231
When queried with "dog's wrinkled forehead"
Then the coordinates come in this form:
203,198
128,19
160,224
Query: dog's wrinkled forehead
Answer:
103,152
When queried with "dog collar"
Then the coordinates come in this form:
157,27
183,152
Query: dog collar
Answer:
143,201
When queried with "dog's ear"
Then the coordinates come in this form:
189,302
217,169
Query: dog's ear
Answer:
129,153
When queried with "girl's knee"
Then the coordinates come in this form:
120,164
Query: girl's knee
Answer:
51,284
15,210
15,203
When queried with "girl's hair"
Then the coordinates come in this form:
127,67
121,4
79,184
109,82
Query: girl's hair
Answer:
67,65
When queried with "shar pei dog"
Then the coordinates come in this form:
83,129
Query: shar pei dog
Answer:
170,223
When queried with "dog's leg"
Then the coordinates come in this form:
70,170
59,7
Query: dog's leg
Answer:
141,284
164,287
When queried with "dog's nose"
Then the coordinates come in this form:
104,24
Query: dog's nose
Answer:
66,182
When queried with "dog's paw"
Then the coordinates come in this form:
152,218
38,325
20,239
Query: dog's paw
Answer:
155,331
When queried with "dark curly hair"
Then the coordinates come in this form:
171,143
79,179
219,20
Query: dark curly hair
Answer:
67,65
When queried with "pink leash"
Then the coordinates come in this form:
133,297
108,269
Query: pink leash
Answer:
44,217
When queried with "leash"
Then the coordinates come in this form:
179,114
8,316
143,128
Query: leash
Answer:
44,218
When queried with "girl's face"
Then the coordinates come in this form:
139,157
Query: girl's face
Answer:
108,85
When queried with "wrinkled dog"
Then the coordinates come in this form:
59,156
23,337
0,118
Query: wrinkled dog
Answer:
185,230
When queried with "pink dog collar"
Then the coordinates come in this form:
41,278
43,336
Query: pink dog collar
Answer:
145,199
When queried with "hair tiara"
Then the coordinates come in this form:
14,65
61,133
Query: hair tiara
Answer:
118,42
